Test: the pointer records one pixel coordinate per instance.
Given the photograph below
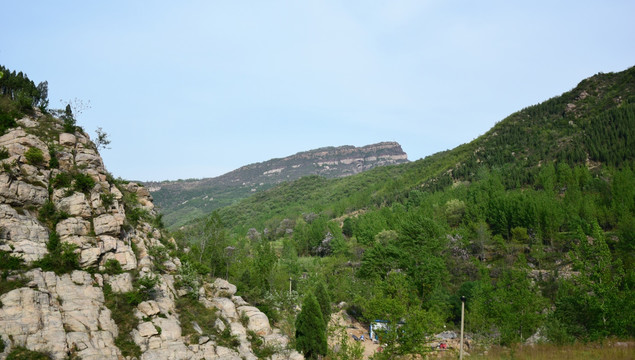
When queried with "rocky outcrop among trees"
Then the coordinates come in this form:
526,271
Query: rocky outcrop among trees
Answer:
87,271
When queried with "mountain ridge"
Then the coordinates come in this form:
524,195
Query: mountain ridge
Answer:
184,199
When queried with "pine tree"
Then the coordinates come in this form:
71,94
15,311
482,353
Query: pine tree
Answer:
324,299
310,330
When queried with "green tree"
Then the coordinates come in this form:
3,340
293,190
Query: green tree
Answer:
591,305
324,299
310,330
102,141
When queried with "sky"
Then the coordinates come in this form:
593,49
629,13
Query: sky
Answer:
195,89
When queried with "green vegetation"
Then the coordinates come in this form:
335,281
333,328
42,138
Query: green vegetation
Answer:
34,156
21,91
122,312
61,257
534,222
310,329
20,353
83,182
191,311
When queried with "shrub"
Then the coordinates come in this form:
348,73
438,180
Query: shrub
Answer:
134,215
34,156
53,163
107,200
8,262
61,258
122,312
112,267
191,310
7,121
145,286
62,180
4,153
49,215
83,183
8,285
20,353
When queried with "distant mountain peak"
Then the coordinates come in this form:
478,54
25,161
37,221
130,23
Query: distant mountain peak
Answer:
204,195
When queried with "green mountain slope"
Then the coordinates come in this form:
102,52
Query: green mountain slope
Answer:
184,200
534,222
591,124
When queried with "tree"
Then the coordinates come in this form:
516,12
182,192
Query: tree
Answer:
324,299
69,119
310,330
102,141
592,304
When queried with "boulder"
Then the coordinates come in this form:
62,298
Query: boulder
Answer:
226,307
72,226
147,329
59,313
18,142
75,205
67,139
120,283
22,235
106,224
149,308
258,321
222,288
19,193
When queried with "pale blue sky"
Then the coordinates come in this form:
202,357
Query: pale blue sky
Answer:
193,89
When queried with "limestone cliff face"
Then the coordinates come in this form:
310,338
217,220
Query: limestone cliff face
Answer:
53,185
179,199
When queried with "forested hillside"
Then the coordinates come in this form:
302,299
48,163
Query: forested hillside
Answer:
184,200
534,222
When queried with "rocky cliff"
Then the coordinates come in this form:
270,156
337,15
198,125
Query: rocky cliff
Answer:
87,274
182,200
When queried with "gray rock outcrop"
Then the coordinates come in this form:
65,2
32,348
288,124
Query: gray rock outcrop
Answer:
76,202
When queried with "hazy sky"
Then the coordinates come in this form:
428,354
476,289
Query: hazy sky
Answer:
198,88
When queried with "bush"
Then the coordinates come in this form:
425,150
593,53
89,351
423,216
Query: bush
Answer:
83,183
4,153
191,310
53,163
34,156
61,258
107,200
20,353
122,312
49,215
9,262
112,267
62,180
7,121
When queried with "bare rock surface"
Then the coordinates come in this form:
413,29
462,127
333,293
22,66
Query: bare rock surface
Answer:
22,235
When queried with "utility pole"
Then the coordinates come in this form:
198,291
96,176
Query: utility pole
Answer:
462,321
290,280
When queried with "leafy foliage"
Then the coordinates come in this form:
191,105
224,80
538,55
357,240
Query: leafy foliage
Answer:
83,182
61,257
34,156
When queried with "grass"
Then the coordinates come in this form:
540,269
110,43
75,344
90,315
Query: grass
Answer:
591,351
